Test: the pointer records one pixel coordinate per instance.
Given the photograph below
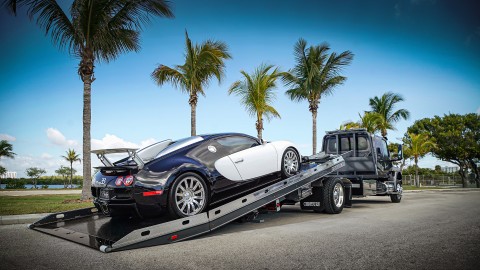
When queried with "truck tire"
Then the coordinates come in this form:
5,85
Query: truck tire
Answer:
396,198
333,196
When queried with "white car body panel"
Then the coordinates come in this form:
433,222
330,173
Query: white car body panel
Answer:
281,146
256,161
253,162
226,168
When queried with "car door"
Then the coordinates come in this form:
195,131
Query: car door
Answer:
256,161
228,165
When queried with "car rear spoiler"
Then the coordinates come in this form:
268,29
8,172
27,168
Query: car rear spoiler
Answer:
132,153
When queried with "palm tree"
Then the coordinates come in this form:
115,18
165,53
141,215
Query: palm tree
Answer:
349,125
94,31
256,92
385,107
202,62
71,157
315,74
418,145
370,121
6,150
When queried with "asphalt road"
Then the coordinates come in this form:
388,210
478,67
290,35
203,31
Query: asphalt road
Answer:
427,230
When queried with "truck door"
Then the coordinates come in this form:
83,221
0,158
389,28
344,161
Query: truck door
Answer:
383,157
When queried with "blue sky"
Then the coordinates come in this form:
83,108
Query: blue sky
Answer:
428,51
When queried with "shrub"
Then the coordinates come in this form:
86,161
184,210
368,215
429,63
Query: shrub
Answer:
15,185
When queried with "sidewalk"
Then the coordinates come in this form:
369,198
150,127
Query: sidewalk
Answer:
29,192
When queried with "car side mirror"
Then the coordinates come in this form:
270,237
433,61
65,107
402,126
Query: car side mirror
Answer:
379,154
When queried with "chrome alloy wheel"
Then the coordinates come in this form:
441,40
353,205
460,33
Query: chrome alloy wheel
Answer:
290,162
338,195
399,190
190,196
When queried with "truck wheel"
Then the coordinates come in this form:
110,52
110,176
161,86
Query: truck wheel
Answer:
333,196
396,198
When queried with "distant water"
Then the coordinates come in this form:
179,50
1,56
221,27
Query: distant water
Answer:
30,186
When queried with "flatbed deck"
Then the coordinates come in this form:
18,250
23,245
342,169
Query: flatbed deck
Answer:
91,228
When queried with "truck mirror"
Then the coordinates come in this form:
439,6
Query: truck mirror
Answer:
400,152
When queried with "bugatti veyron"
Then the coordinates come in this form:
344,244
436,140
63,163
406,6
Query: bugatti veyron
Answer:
187,176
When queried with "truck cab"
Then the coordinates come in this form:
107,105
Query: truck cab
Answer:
368,163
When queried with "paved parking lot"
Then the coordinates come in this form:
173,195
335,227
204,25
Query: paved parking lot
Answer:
427,230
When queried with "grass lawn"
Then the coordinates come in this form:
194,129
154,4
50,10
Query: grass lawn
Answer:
408,187
19,205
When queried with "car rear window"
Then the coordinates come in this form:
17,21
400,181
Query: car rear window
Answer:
180,144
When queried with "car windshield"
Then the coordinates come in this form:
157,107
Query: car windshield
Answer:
179,144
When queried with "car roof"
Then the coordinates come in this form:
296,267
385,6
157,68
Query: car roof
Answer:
216,135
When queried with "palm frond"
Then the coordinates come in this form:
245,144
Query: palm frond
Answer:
163,74
256,91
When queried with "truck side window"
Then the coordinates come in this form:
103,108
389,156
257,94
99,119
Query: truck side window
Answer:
381,145
332,145
362,143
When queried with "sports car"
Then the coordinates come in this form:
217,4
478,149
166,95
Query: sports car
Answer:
187,176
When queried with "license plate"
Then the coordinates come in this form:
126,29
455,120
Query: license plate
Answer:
105,194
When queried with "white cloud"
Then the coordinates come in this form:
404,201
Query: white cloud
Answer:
57,138
112,141
46,156
7,137
478,110
51,162
44,161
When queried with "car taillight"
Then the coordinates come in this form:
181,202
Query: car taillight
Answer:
128,180
119,181
152,193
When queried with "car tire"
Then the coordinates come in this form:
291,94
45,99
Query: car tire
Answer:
290,163
188,196
333,196
396,198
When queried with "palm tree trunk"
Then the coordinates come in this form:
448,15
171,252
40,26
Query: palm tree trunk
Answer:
193,120
193,113
87,121
85,70
259,127
417,181
314,132
71,173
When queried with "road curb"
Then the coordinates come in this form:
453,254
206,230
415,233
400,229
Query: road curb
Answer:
443,190
21,219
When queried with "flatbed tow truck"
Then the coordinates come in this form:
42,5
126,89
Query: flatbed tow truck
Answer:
91,228
320,186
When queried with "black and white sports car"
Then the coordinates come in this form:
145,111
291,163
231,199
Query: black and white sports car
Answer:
186,176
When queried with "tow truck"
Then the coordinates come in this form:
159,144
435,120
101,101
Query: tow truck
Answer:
324,184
